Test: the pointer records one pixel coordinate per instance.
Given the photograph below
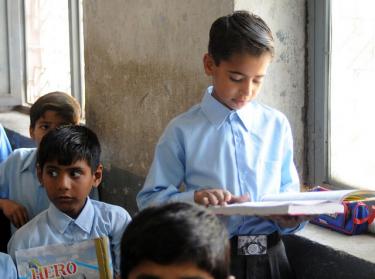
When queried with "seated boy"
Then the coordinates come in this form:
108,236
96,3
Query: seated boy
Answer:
177,240
7,267
21,194
231,148
68,166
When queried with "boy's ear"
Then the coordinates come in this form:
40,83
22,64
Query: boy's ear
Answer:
98,176
39,173
31,132
209,64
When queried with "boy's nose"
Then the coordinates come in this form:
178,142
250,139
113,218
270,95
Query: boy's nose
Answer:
247,88
64,182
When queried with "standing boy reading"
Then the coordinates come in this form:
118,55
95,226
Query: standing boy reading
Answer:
68,166
21,194
177,240
231,148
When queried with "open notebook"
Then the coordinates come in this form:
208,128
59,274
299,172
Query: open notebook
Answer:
300,203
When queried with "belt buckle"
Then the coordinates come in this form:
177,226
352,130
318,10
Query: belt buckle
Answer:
252,245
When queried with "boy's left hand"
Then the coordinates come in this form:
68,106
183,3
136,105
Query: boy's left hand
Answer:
290,221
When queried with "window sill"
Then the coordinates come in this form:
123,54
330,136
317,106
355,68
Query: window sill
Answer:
360,246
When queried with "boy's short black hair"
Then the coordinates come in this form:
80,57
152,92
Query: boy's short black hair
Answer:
62,103
238,33
176,233
68,144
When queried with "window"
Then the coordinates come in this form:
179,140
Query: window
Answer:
44,48
341,149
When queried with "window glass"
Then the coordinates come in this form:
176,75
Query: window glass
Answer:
4,63
352,94
47,47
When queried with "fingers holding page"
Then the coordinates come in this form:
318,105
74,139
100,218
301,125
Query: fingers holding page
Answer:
218,197
212,197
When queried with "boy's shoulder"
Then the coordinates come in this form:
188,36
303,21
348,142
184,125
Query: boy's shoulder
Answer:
267,113
18,161
107,210
29,231
20,155
267,110
188,114
186,119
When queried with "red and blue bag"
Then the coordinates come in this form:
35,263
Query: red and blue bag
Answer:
355,219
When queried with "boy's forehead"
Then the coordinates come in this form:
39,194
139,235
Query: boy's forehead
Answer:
79,163
50,116
247,64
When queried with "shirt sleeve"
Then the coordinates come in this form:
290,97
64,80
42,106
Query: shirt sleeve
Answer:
12,246
5,169
5,148
7,267
120,220
289,176
166,173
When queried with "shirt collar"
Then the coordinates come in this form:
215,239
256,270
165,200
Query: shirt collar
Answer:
247,114
30,161
217,113
213,109
61,221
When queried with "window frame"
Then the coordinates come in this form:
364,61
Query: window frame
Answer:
319,51
17,53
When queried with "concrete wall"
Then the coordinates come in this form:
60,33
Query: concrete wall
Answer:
143,66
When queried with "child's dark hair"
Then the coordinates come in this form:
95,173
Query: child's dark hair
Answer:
240,32
62,103
176,233
68,144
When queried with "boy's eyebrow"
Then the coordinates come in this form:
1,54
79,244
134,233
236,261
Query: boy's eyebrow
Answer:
47,165
242,74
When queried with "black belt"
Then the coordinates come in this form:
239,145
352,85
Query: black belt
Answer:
254,244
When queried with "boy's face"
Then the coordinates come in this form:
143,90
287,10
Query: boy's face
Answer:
49,121
238,80
151,270
68,186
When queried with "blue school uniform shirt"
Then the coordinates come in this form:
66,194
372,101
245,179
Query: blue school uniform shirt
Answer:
210,146
5,148
19,182
52,226
7,267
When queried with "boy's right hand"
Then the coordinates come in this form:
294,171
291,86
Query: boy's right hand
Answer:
15,212
218,197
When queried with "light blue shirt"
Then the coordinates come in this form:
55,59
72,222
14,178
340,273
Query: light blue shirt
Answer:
5,148
210,146
53,227
7,267
19,182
